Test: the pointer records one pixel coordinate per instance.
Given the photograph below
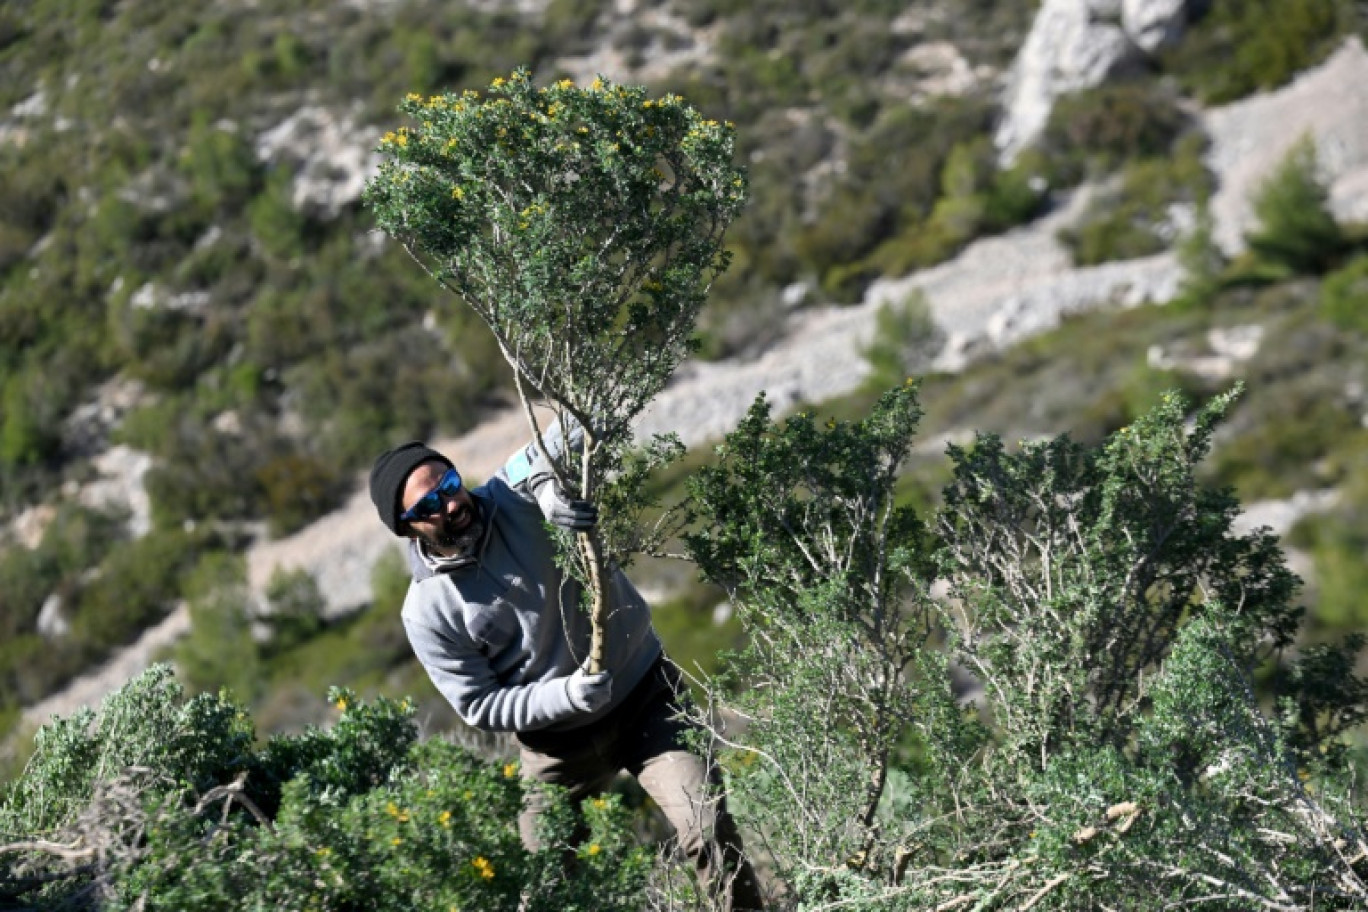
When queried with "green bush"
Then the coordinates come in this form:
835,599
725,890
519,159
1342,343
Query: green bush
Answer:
976,199
1296,232
1236,49
1096,130
189,815
275,223
1344,295
136,585
1135,218
1203,264
906,339
220,164
204,473
296,609
1111,622
1335,541
220,650
297,489
32,666
1279,458
880,218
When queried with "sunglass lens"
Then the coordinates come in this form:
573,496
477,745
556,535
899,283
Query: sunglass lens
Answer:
450,484
431,502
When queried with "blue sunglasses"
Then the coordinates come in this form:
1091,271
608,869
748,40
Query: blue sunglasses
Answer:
431,502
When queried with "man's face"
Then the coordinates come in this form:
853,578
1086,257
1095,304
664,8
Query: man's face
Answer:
451,527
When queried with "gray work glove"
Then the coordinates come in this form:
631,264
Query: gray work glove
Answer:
589,692
559,510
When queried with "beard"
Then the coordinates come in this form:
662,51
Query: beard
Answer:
457,542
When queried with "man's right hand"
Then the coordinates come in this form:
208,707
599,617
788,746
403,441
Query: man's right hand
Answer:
559,510
589,692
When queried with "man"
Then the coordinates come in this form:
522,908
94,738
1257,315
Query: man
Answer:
500,630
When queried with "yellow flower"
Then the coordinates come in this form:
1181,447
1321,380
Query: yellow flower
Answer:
498,81
594,850
342,704
510,770
597,84
600,803
444,818
323,852
413,96
457,193
483,867
467,794
566,84
396,841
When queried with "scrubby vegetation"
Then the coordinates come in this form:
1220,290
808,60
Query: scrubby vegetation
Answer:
174,806
1103,709
150,247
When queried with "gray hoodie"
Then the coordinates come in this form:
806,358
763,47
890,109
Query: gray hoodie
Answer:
500,635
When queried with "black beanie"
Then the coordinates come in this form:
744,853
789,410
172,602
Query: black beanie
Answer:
389,474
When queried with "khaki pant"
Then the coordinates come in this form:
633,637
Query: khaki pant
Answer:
645,737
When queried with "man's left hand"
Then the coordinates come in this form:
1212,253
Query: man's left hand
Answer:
559,510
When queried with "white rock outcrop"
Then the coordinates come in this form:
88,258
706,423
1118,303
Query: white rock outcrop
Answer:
1154,24
1075,45
332,155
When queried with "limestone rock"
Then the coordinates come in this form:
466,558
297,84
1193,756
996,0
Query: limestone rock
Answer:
1075,45
332,155
1072,45
52,620
1154,24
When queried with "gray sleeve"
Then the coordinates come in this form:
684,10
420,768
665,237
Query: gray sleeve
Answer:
463,675
527,469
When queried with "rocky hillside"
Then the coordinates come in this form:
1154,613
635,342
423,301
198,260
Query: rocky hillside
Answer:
261,342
